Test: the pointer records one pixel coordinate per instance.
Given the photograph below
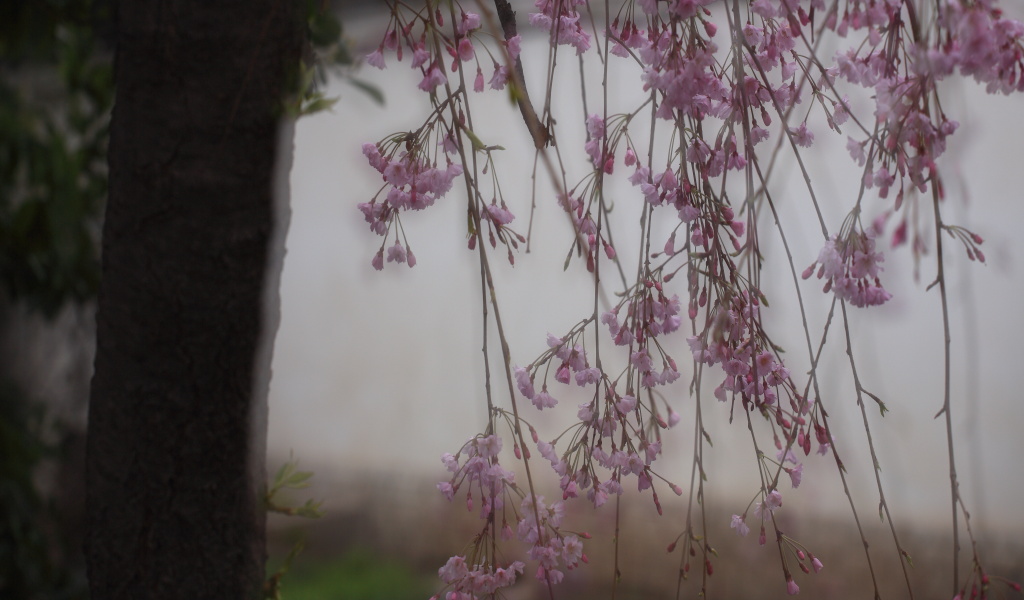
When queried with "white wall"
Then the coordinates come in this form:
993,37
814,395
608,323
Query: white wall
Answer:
382,371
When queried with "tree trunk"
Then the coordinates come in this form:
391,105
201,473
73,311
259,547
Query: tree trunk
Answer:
177,417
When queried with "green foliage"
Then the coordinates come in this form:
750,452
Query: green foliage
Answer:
55,100
27,569
328,55
56,91
358,575
272,587
289,478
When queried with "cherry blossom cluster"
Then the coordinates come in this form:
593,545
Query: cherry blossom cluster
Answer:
704,218
424,43
912,138
969,36
538,523
721,98
481,471
476,466
561,18
648,313
736,341
627,452
553,551
981,44
683,70
850,268
753,372
480,582
611,434
412,184
409,162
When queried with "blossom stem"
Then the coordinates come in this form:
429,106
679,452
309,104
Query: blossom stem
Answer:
940,278
876,467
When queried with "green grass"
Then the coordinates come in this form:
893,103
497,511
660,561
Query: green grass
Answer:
359,575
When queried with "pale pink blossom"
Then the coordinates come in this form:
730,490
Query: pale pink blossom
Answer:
544,400
420,55
433,78
524,382
513,45
468,22
572,550
791,587
561,18
802,136
850,268
465,50
500,77
626,404
376,59
547,451
740,525
796,474
562,374
454,569
488,446
586,412
397,253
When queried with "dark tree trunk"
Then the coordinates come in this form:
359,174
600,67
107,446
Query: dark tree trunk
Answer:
177,417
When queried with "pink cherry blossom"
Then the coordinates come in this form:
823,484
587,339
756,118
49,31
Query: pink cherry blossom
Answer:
500,77
376,59
513,45
465,50
561,19
851,269
791,587
525,382
740,525
454,569
802,136
544,400
432,78
397,253
796,474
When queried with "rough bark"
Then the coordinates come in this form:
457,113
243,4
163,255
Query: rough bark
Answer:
175,465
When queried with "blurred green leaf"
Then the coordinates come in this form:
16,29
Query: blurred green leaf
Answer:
324,28
317,103
371,90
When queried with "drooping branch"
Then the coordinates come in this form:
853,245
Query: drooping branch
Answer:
507,18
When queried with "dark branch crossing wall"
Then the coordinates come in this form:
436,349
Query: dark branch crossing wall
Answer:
176,444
